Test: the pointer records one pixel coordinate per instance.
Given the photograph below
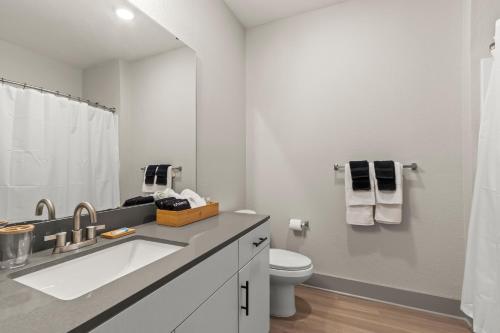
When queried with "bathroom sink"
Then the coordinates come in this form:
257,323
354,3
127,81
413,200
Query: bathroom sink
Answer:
74,278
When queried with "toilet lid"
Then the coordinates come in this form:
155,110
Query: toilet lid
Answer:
288,260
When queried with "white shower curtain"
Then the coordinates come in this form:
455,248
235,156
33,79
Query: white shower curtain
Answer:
51,147
481,288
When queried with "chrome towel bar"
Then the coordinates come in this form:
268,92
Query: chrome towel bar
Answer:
413,166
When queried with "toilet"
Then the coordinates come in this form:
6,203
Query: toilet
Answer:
287,269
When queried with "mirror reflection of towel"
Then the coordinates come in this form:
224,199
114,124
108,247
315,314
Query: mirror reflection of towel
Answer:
138,201
162,180
161,174
149,175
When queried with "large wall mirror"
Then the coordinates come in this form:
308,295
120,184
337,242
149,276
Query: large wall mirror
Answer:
125,98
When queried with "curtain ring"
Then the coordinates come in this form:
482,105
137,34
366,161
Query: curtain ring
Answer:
24,85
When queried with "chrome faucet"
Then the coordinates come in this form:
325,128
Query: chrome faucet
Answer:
77,231
77,241
50,208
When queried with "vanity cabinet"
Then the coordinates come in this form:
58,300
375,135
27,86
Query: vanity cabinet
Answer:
221,294
241,305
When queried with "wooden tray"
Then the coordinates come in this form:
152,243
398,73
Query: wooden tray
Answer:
184,217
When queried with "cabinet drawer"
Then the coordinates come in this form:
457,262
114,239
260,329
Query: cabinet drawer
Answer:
253,242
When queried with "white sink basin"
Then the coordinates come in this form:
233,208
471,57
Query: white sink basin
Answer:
74,278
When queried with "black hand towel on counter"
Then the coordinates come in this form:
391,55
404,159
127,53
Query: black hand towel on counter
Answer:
150,174
360,174
161,174
173,204
138,201
386,175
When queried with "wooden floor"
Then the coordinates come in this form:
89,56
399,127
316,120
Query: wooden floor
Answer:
321,311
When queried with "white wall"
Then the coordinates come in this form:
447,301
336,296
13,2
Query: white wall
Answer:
219,40
361,80
20,64
101,83
161,102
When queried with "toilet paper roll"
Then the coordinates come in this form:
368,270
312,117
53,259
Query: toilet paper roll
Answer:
296,224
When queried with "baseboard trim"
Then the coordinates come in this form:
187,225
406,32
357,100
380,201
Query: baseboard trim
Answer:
412,299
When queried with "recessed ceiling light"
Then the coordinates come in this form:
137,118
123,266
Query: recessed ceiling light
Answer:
125,14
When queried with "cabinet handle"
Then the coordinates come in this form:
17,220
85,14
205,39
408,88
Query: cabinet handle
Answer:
247,291
261,240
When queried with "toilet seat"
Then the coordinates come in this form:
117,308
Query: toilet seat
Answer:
283,260
280,273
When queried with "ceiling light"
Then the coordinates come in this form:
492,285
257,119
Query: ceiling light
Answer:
125,14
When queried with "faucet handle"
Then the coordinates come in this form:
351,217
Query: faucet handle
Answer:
91,230
59,237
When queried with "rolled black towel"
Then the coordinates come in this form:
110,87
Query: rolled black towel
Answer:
138,201
360,174
386,175
173,204
161,174
149,179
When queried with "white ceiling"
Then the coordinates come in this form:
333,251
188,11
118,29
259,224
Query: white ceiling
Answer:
255,12
82,32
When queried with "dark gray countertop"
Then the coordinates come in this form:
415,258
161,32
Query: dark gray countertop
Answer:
23,309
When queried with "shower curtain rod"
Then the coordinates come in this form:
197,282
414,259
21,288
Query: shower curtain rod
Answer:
57,93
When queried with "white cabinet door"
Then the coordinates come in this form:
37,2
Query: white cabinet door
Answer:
254,294
219,314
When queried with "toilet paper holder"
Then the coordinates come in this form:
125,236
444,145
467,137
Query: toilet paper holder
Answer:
298,225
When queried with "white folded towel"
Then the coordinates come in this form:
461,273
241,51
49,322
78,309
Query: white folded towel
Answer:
153,188
167,193
389,204
359,204
195,200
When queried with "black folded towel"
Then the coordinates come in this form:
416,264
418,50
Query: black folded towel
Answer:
150,174
161,174
138,201
173,204
386,175
360,174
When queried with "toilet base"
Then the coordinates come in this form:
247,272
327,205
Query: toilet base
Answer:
282,290
282,300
